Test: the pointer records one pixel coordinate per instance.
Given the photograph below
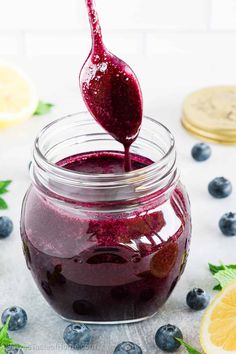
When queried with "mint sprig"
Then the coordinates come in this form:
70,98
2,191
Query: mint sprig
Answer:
217,287
43,108
188,347
4,185
225,277
4,331
216,268
3,204
224,274
5,340
2,350
3,189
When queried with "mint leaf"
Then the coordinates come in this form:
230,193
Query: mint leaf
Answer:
4,185
3,204
225,276
2,350
217,287
4,331
43,108
214,268
189,349
3,189
5,340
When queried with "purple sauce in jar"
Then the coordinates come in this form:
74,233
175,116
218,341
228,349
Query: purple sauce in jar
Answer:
105,246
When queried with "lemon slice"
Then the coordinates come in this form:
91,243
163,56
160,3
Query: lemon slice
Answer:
18,98
218,330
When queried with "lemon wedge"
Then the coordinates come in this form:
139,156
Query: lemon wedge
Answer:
18,97
218,329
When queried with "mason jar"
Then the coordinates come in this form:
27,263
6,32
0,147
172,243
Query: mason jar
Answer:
105,246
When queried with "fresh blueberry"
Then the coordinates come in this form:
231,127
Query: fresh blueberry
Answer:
77,335
13,350
220,187
127,348
6,226
201,152
227,224
165,338
197,299
18,317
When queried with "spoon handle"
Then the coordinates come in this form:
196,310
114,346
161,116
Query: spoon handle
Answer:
96,32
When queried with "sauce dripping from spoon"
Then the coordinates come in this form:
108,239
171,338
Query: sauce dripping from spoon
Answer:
111,90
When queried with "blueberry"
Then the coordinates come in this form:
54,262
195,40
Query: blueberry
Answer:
165,338
18,317
13,350
220,187
197,299
227,224
6,226
77,335
127,348
201,152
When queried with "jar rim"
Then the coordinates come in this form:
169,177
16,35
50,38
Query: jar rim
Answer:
66,133
38,155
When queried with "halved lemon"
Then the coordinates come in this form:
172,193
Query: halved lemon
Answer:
18,97
218,329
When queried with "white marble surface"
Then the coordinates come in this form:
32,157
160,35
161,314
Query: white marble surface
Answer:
165,83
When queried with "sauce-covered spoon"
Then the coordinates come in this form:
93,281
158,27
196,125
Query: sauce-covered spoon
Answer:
111,90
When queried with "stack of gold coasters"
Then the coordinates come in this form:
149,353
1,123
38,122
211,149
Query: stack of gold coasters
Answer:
210,114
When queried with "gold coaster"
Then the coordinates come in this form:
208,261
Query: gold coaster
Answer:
210,114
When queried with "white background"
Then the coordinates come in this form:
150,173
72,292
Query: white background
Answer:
34,27
175,47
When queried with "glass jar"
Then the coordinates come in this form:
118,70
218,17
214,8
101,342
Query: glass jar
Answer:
105,248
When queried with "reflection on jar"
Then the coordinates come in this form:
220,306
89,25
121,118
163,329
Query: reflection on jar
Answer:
164,260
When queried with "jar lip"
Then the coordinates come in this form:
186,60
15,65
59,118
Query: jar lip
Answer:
75,174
